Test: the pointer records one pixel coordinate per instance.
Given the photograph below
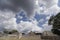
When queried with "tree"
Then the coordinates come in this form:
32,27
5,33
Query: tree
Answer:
56,31
10,32
50,22
55,22
5,31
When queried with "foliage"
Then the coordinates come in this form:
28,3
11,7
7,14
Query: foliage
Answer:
55,22
56,31
10,32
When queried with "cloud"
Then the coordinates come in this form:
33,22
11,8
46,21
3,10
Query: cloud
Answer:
48,17
6,15
59,3
10,24
29,26
47,7
47,27
47,3
41,20
16,5
8,11
7,19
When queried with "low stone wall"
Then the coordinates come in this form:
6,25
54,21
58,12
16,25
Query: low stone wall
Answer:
50,37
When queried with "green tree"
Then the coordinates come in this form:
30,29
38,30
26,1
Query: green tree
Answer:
55,22
10,32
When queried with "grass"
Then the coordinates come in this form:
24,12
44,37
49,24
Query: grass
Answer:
34,37
23,38
31,38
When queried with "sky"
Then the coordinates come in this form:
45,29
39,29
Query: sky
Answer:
27,15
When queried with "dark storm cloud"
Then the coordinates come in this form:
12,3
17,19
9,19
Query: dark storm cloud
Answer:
16,5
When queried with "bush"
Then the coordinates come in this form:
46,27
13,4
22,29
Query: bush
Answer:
10,32
56,31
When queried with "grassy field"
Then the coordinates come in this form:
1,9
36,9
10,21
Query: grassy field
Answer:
34,37
31,37
23,38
